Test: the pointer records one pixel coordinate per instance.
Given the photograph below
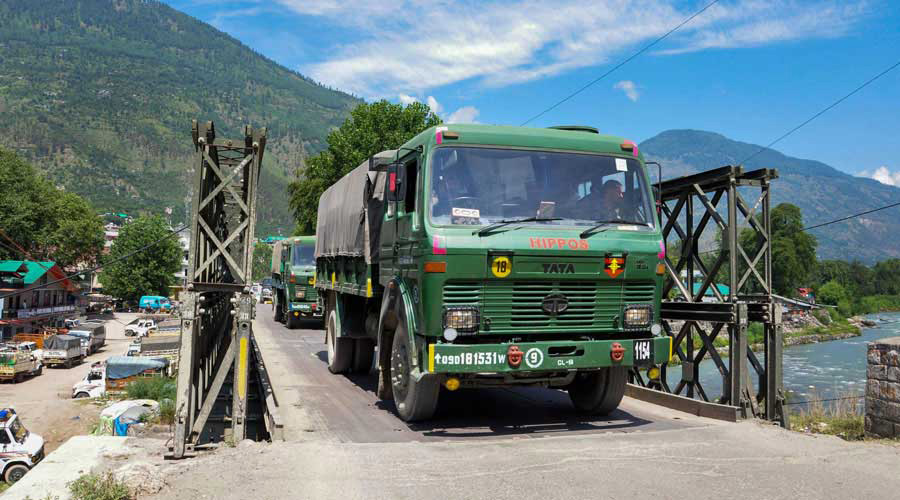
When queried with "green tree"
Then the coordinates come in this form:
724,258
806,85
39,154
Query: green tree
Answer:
832,293
262,261
147,272
48,223
371,128
793,250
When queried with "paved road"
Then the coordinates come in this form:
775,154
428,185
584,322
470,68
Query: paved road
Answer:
345,408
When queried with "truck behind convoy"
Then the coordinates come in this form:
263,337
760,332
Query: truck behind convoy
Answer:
293,280
114,374
62,350
92,335
21,450
485,256
16,364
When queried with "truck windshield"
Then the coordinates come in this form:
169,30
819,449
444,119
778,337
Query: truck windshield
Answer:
304,255
478,186
18,431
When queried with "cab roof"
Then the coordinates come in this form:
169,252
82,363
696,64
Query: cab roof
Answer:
527,137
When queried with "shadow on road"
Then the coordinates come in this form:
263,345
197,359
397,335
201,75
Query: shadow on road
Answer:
472,413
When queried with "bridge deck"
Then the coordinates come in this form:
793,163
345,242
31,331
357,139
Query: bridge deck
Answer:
346,409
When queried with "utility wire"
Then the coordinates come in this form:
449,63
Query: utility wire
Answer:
823,400
623,63
822,112
96,268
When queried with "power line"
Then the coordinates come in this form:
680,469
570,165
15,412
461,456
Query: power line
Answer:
623,63
851,216
820,113
823,400
94,269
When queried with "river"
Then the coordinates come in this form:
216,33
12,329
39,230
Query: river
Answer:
824,370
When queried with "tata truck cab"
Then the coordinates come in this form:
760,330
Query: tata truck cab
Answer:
20,450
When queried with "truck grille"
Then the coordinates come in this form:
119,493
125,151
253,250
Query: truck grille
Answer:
515,306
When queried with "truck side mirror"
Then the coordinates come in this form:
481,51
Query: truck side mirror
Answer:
396,182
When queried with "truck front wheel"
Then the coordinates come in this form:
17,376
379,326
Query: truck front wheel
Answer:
340,349
416,399
14,473
599,392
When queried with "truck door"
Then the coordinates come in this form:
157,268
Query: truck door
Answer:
408,226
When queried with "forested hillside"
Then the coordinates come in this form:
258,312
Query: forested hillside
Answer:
822,192
100,95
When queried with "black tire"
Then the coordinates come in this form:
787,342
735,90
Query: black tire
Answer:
39,371
14,473
363,355
415,399
279,312
292,322
340,349
82,395
599,392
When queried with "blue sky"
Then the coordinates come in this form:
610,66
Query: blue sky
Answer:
750,70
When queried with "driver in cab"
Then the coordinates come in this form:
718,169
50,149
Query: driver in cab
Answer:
604,202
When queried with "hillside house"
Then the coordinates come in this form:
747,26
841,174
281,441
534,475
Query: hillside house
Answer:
25,309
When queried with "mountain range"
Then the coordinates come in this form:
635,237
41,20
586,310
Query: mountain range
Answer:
822,192
100,94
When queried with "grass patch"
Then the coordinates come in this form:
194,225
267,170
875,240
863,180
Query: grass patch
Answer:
155,388
842,418
837,327
100,487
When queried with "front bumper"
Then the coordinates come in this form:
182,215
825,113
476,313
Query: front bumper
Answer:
546,355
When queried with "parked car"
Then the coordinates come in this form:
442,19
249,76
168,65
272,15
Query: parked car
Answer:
140,328
154,303
22,449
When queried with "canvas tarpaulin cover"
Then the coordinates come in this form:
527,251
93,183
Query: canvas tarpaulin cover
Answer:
350,213
126,366
62,343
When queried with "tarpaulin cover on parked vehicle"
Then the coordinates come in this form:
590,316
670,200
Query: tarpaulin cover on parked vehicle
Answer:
350,213
126,366
276,257
62,343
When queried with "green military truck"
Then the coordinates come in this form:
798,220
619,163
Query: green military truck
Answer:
484,256
293,280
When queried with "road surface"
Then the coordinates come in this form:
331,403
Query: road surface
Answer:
342,443
344,408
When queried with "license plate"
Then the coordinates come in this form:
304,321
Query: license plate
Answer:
643,351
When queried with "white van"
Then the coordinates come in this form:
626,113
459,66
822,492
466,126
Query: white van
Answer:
20,450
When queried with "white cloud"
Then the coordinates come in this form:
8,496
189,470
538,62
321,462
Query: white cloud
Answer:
465,114
406,100
629,88
497,43
434,105
883,175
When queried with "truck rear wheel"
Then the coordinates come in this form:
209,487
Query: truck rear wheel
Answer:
363,355
340,349
416,399
279,312
290,321
599,392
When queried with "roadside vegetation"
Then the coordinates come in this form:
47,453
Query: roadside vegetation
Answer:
100,487
144,273
842,418
159,389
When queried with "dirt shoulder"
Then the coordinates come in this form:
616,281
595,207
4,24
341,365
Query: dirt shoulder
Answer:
45,402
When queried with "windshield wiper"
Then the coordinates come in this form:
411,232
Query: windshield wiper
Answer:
501,223
600,223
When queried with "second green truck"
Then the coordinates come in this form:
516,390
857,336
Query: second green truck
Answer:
293,281
485,256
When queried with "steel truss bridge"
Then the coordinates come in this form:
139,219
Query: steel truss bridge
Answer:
224,391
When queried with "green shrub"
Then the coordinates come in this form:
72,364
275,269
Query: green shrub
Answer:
99,487
167,411
155,388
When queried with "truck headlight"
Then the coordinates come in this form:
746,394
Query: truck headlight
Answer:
300,294
638,316
463,319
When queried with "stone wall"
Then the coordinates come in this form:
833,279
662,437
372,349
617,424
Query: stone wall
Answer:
883,388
